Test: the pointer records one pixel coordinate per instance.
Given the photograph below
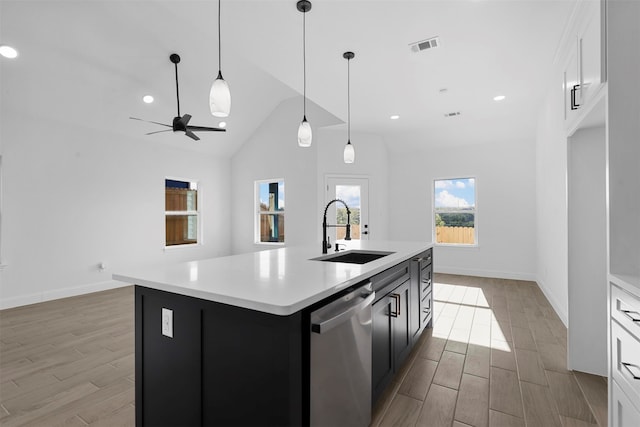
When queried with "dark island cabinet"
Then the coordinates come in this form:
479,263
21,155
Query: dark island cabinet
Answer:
230,366
224,365
392,329
421,290
401,312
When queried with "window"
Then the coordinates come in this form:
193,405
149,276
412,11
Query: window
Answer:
455,211
182,213
270,211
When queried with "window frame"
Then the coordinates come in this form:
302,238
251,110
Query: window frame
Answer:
197,213
259,213
475,243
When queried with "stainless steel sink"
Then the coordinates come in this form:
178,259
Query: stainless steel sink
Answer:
353,256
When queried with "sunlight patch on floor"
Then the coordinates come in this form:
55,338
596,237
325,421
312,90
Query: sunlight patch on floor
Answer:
463,314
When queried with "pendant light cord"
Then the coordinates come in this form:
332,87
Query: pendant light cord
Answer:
304,64
349,100
219,42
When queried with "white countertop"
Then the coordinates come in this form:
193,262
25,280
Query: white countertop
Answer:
278,281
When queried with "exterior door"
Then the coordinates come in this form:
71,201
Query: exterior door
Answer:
354,191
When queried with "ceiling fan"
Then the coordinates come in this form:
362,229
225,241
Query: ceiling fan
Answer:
180,124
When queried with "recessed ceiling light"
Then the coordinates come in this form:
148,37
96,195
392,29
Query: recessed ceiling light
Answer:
499,98
222,124
148,99
8,51
394,117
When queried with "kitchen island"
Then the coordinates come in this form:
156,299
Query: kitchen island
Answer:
225,341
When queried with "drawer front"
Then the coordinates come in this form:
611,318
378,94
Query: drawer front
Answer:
624,414
625,308
427,257
625,360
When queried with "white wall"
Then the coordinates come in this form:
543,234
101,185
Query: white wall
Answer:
272,152
506,213
75,197
371,162
551,203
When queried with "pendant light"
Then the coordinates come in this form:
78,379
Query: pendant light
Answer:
304,130
349,152
219,96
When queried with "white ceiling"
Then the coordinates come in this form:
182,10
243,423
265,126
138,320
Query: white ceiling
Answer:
88,63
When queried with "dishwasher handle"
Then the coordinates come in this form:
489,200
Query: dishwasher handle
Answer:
322,326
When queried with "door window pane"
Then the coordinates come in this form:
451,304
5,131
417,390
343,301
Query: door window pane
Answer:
350,194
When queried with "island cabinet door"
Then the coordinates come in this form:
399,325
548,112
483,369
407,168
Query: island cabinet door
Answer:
222,366
382,345
253,369
402,336
168,374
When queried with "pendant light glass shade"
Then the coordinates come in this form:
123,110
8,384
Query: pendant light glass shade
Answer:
304,133
220,97
349,153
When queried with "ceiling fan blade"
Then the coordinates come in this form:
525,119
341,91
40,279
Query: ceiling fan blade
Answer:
206,129
191,135
149,121
159,131
185,119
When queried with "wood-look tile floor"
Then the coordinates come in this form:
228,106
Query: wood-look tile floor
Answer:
69,362
496,356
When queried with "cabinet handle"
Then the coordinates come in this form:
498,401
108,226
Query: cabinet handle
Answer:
574,103
396,299
633,315
627,367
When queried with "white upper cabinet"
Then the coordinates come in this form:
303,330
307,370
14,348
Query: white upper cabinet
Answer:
591,53
583,50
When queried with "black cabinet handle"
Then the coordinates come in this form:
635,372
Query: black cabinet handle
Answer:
574,104
633,375
396,299
633,315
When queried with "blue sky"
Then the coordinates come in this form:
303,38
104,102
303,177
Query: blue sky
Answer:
264,194
350,194
455,193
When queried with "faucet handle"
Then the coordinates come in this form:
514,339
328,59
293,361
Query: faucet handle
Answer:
328,242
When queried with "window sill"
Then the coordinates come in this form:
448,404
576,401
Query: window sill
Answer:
269,243
456,245
186,245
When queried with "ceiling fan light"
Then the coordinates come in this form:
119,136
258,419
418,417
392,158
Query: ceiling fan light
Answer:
304,133
220,98
349,153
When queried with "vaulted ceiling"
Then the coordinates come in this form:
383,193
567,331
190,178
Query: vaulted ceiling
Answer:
88,64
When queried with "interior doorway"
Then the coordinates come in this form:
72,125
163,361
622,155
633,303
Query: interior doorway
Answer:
354,191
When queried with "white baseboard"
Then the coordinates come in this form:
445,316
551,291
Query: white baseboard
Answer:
484,273
560,311
59,293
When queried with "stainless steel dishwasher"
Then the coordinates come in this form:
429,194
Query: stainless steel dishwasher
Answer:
341,360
